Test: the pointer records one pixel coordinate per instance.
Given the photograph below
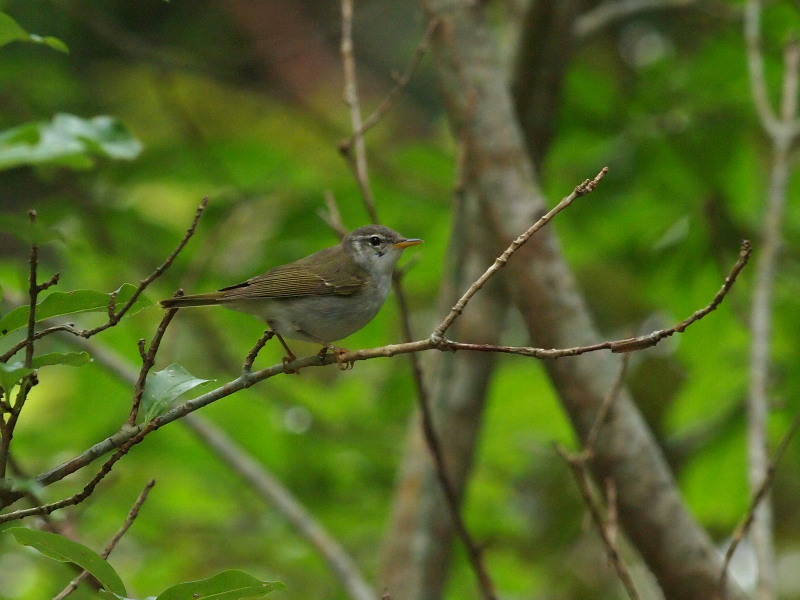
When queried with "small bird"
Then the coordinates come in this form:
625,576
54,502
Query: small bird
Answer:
321,298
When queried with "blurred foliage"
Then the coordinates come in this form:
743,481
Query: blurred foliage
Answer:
661,98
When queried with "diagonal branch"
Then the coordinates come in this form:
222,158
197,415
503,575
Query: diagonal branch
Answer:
581,190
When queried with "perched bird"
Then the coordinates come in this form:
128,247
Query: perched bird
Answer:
321,298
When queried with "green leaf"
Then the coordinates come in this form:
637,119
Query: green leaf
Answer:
49,40
11,31
67,141
65,550
163,387
70,359
65,303
11,374
228,585
30,232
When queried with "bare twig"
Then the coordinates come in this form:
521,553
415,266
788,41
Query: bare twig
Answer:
602,414
758,497
10,410
581,190
138,434
251,356
255,474
358,162
755,64
332,216
578,463
579,470
132,514
148,360
357,159
33,294
782,127
114,315
354,151
401,82
247,379
271,490
611,11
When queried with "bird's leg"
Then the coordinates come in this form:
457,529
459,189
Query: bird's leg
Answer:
289,355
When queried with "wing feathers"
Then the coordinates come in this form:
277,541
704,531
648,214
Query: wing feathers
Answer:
332,273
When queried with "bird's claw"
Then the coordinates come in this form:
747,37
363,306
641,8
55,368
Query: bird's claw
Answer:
339,352
286,360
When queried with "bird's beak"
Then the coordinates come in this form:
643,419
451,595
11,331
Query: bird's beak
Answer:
407,243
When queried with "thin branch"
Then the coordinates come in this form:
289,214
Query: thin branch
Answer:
755,65
247,379
138,434
132,514
114,315
401,82
474,552
605,408
253,354
271,490
33,294
357,159
607,527
148,360
332,216
758,497
581,475
610,11
581,190
123,437
12,409
354,150
782,128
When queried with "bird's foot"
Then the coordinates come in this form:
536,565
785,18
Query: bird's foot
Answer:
339,352
288,358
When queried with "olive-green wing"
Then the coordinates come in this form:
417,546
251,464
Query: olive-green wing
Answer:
320,274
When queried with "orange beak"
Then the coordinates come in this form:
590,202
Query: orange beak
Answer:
407,243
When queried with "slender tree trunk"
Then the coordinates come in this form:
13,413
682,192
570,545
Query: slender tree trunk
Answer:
479,106
419,542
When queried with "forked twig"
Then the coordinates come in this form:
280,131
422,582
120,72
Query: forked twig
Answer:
401,81
116,315
132,514
607,527
581,190
148,360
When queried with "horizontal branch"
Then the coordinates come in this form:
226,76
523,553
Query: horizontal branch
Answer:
250,378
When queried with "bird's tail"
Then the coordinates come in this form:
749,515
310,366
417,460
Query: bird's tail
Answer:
196,300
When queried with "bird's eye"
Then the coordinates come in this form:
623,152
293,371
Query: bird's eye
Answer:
375,240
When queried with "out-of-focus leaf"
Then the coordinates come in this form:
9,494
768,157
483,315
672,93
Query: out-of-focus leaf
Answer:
11,31
65,550
49,40
163,387
69,359
10,375
65,303
30,232
228,585
67,141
